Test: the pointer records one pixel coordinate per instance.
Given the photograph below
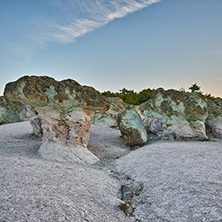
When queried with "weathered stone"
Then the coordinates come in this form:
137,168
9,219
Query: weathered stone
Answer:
64,110
37,126
27,113
10,111
132,129
214,119
109,117
173,114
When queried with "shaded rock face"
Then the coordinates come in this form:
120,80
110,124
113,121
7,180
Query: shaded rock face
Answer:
132,129
64,110
27,113
214,119
173,114
109,117
11,112
36,124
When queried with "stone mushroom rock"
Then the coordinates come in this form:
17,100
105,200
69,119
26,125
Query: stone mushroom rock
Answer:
109,118
64,111
214,119
132,129
172,114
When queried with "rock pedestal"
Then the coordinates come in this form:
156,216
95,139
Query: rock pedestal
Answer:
64,115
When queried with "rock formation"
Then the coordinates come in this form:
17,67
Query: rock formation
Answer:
132,129
214,119
64,111
36,123
11,112
27,113
109,117
173,114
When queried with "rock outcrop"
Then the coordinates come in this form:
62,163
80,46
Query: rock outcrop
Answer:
132,129
109,117
214,119
64,111
11,112
173,114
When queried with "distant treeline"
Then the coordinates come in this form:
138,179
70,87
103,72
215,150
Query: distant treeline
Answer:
136,98
130,96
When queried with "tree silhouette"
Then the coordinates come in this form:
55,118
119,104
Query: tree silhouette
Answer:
194,87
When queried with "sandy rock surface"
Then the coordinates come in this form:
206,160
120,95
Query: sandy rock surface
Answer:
181,181
34,189
162,181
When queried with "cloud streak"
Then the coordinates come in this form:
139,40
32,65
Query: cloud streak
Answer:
72,19
90,15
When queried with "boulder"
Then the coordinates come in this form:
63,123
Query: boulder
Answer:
109,117
172,114
12,112
214,119
132,129
64,111
9,111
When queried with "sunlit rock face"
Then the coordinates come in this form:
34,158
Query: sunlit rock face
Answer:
214,120
109,118
172,114
64,114
132,129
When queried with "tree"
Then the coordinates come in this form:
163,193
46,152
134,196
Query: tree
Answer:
194,87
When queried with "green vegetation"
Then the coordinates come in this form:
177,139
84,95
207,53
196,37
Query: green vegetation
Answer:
136,98
194,88
130,96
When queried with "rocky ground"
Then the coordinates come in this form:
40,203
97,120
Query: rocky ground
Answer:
163,181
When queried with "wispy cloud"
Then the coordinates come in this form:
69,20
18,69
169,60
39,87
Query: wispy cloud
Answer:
91,15
73,19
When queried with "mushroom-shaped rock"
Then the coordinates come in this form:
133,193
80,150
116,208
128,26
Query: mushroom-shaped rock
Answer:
65,109
132,129
214,120
109,118
173,114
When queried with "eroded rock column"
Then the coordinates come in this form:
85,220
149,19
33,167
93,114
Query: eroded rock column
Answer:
65,136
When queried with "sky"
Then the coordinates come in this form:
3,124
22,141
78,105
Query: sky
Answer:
114,44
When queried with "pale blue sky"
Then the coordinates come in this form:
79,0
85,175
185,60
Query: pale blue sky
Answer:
109,45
